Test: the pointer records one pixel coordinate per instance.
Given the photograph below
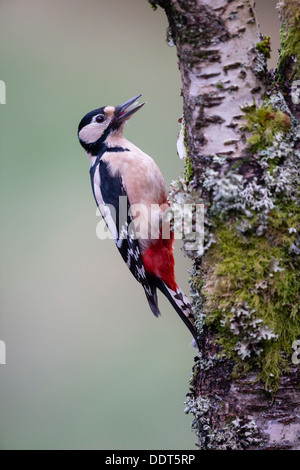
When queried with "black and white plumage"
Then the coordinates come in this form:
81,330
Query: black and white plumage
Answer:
107,191
122,176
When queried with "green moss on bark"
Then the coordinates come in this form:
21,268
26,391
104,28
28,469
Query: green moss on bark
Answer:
252,293
290,39
264,123
264,46
290,47
153,4
249,275
189,172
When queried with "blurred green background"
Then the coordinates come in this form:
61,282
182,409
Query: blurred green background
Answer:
88,365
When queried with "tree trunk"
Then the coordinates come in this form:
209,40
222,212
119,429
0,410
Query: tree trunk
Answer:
241,134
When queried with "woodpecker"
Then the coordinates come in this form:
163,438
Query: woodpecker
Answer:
119,169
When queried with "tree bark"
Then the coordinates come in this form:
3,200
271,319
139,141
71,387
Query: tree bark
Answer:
241,133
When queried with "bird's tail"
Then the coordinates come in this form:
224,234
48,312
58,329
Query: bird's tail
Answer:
181,304
152,300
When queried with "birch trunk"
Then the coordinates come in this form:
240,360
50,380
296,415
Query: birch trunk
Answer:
241,135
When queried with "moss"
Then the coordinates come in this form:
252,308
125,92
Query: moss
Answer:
290,43
264,46
252,292
189,171
153,4
289,12
290,46
220,85
264,123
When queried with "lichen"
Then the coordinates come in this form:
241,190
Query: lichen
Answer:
238,434
196,284
261,54
183,150
186,215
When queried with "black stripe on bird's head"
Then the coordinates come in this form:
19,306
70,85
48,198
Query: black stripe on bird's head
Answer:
97,125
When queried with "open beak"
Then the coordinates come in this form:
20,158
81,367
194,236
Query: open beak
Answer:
125,110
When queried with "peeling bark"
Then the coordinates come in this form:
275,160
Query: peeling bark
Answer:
242,139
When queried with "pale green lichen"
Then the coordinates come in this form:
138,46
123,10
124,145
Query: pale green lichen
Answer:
279,160
262,52
198,301
238,434
186,215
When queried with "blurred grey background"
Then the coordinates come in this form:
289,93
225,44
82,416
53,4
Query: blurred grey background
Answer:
88,365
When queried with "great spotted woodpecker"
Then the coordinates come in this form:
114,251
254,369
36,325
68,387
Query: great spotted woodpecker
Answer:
119,169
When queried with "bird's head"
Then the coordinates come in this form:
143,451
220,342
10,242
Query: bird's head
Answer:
97,125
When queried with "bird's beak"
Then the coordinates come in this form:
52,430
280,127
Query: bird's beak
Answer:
125,110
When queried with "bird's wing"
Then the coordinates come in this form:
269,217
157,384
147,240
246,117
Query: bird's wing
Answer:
111,198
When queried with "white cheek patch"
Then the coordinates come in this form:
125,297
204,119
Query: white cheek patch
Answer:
109,111
91,133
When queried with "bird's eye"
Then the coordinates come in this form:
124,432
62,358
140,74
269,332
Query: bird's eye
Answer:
100,118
